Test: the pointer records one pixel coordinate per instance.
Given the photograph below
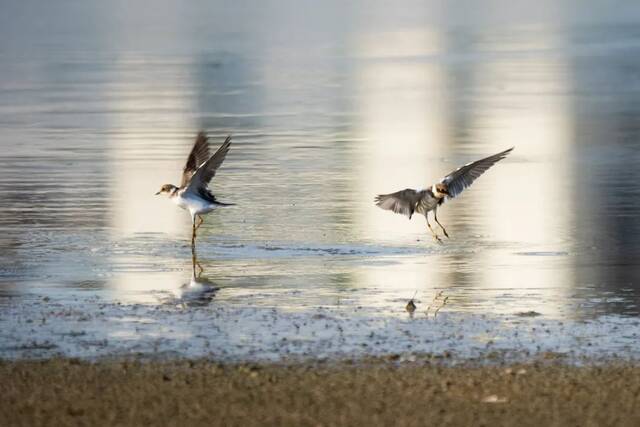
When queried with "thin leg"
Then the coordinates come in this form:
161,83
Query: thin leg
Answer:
435,215
195,263
200,223
435,235
193,236
200,268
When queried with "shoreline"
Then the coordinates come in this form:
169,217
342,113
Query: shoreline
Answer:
377,391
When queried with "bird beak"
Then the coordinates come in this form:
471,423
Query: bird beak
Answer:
158,193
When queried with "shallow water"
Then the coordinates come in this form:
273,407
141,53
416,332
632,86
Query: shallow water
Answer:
327,107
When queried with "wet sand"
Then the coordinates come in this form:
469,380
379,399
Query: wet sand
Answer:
374,392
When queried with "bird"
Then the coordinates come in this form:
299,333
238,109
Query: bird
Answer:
409,201
193,194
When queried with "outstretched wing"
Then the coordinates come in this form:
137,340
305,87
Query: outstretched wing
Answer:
464,176
199,154
202,176
401,202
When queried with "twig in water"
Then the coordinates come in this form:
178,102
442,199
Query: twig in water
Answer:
444,302
435,299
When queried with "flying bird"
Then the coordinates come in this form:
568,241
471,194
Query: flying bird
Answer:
409,201
194,194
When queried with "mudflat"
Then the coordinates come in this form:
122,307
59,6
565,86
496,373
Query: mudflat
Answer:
372,392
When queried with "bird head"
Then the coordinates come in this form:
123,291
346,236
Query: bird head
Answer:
169,189
440,190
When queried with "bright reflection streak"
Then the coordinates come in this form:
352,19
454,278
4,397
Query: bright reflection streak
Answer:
136,179
532,117
147,288
141,166
404,125
407,128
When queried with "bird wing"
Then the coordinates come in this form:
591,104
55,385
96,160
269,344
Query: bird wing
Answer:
199,154
402,202
202,176
464,176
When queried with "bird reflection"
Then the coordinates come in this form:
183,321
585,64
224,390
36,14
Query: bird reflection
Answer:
200,291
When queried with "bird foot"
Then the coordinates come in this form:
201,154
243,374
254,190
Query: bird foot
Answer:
201,270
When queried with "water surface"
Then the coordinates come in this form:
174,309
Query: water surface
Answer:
328,106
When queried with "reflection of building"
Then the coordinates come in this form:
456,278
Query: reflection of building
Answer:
607,201
414,115
135,179
404,125
402,121
151,153
330,106
526,204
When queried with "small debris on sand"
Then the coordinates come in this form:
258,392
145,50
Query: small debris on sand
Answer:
379,391
410,307
528,314
493,398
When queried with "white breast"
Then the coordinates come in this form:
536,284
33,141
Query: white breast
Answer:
194,204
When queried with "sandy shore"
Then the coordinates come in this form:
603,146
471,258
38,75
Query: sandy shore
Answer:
379,392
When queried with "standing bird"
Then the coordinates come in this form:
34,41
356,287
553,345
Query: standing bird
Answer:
194,194
408,201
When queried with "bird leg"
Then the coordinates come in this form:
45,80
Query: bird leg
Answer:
435,215
193,237
200,268
200,223
195,263
435,235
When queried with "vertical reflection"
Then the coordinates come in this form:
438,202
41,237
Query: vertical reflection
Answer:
152,129
147,287
141,157
515,214
405,129
403,123
608,226
525,204
136,208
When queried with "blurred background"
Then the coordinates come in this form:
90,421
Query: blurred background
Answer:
329,104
